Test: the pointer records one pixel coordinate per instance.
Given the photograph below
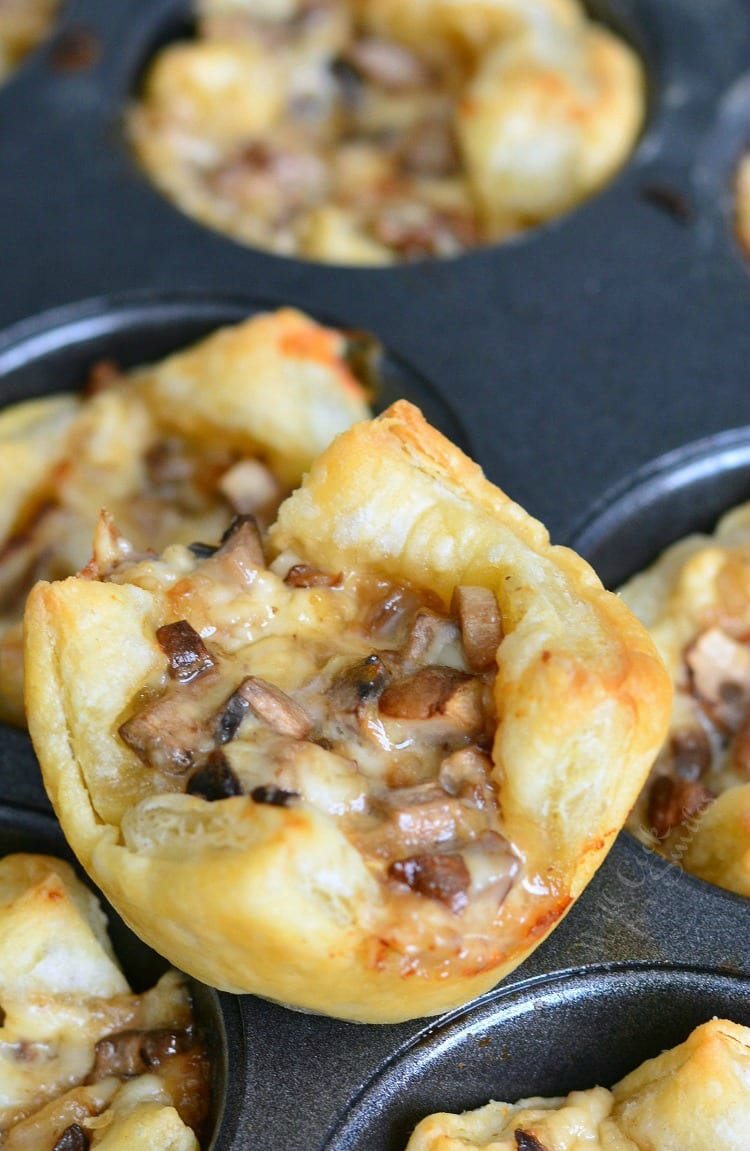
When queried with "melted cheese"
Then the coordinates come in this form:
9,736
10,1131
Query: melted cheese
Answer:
379,776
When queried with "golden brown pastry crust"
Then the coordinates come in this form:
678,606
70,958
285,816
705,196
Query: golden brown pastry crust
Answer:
158,447
63,994
695,601
689,1098
369,133
275,900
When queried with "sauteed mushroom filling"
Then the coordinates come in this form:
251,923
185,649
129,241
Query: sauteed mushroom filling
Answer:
369,700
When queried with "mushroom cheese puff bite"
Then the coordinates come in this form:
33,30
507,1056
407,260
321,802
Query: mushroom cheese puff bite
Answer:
365,769
690,1098
23,25
377,131
85,1062
172,451
695,601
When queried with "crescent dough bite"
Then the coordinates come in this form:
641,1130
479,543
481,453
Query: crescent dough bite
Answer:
695,601
172,451
381,131
85,1062
23,25
690,1098
365,770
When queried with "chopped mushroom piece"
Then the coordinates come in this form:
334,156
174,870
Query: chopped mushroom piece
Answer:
690,751
386,615
443,877
359,684
229,717
527,1141
241,553
466,774
389,65
481,625
275,708
275,796
436,691
428,635
101,375
672,801
720,669
424,815
73,1138
126,1054
168,734
430,148
305,575
421,818
215,779
187,654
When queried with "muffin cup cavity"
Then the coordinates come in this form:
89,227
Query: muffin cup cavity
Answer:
567,1032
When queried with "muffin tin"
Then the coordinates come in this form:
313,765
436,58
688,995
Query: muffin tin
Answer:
565,361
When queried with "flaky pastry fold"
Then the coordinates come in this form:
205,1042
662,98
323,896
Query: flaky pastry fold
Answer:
270,890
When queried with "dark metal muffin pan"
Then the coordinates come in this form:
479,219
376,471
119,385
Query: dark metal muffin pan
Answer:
566,361
546,1037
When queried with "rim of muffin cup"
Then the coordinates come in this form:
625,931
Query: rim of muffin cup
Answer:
570,1030
51,351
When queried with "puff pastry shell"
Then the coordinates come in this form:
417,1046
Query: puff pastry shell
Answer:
165,449
362,132
276,899
695,600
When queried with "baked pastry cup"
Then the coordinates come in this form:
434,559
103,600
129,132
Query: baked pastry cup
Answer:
695,601
171,450
687,1098
366,774
85,1061
376,132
